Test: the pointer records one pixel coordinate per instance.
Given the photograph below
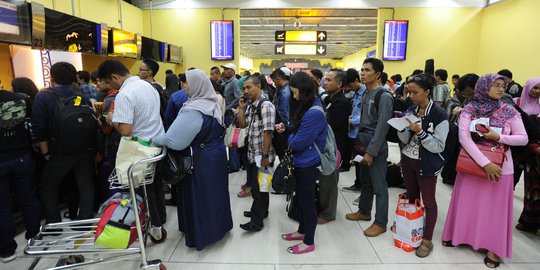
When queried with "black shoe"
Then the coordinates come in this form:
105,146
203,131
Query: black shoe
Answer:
250,227
344,169
248,214
352,188
233,171
171,202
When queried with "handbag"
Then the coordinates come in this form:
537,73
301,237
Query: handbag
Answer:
283,180
466,164
235,137
178,166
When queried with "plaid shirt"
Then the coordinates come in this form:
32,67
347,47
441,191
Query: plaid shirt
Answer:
257,126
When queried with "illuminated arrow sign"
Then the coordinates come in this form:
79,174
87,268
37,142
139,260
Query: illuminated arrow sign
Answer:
301,36
321,50
321,36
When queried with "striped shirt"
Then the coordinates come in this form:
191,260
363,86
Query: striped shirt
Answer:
258,126
138,104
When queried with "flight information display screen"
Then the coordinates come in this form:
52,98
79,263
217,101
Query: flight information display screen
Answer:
395,40
222,40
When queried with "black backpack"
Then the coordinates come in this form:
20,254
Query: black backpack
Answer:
74,126
399,105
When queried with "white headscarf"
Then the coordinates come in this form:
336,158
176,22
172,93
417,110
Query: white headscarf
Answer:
202,96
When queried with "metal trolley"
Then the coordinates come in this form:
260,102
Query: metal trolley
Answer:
78,236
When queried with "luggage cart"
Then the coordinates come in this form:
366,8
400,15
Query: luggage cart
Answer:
77,239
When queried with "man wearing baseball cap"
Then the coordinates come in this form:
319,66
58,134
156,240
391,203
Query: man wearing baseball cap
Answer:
231,93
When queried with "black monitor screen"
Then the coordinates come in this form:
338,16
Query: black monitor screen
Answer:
152,48
15,22
67,33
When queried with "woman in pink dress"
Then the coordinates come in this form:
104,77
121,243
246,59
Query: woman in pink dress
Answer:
481,209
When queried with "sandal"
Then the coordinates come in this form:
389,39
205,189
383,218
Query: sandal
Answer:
244,193
491,263
424,252
447,243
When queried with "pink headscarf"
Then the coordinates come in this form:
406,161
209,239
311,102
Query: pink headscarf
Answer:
527,103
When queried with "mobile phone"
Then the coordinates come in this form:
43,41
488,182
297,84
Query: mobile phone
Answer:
481,128
398,114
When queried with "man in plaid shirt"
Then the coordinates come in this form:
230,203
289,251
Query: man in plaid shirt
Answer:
260,120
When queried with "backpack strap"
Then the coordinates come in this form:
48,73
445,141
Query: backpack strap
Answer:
258,108
320,109
378,98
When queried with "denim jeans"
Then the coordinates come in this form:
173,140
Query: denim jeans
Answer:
374,184
17,175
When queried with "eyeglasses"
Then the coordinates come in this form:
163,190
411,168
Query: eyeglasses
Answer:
536,88
142,69
498,85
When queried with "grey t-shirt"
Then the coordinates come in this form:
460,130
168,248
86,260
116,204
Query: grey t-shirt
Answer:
374,121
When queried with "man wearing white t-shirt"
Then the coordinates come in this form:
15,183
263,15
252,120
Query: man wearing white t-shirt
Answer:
137,113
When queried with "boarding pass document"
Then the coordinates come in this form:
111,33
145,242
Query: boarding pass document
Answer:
401,123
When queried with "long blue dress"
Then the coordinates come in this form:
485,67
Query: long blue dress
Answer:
204,207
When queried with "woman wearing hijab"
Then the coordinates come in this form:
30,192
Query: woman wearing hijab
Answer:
204,209
481,208
530,157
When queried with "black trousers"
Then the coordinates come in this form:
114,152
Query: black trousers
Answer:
56,169
156,199
279,142
261,200
305,192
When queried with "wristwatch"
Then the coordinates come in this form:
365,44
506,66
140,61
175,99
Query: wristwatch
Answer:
265,155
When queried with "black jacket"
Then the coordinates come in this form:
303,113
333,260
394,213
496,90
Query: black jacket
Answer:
338,112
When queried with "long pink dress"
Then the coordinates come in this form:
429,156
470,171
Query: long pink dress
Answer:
481,211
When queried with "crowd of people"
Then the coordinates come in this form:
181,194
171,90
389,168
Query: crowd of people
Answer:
49,155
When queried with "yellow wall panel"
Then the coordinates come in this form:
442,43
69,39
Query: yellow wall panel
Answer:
450,36
190,28
510,39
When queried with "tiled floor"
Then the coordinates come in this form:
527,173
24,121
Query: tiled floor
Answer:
341,245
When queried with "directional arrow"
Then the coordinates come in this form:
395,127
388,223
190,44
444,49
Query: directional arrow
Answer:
321,35
321,50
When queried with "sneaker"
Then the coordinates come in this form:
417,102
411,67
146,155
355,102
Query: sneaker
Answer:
352,188
356,201
8,258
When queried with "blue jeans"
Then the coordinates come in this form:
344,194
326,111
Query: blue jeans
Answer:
374,184
17,175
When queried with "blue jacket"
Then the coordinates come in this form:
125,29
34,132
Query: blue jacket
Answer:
312,129
281,102
174,105
43,110
356,112
432,139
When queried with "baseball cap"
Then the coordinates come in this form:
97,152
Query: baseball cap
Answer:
286,70
229,65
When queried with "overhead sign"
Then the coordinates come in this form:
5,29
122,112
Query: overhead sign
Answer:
301,36
222,40
300,49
